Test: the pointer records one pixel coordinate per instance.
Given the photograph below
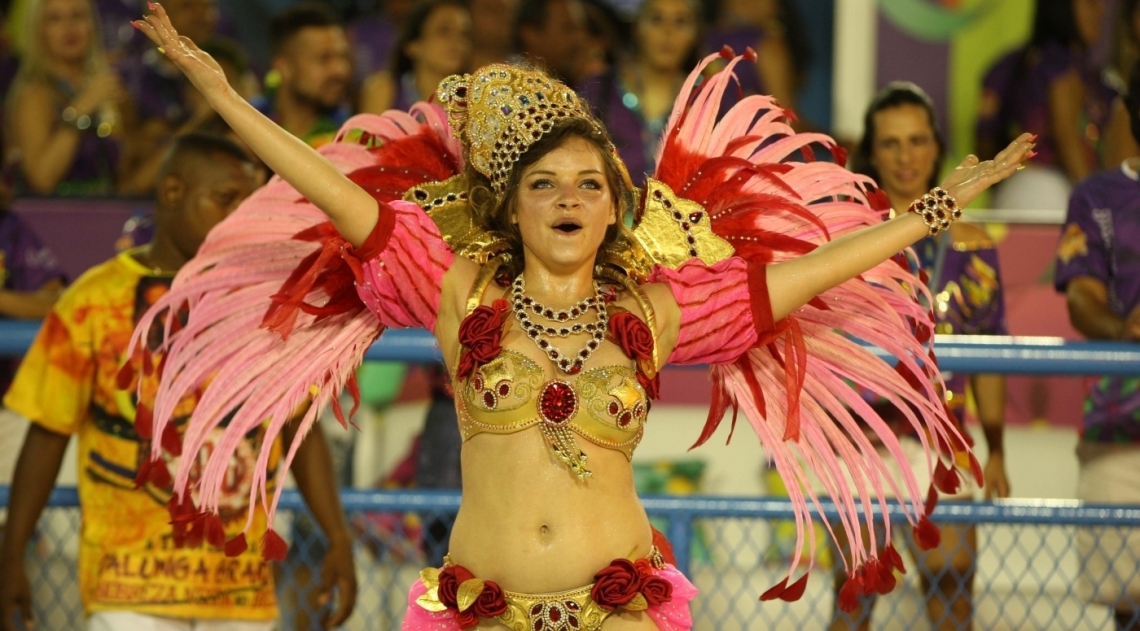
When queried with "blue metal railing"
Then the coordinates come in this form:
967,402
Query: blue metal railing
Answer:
680,512
964,353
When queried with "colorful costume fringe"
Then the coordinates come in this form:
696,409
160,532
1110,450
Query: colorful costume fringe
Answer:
276,322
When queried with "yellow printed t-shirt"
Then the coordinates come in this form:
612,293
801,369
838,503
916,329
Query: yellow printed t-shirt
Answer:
127,559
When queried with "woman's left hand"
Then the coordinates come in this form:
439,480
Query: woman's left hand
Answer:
972,176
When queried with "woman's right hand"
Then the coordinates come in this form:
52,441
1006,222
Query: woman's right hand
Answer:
199,67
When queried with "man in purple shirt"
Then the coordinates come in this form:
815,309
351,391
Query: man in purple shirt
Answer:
1098,269
30,281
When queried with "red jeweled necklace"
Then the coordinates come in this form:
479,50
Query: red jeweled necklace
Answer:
537,332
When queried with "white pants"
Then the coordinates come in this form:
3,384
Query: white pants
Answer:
131,621
1110,556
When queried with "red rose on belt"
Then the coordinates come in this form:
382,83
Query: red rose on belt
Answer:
450,578
467,619
656,590
491,602
636,340
480,334
615,585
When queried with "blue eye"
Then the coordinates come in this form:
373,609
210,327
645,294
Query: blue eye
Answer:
592,184
540,184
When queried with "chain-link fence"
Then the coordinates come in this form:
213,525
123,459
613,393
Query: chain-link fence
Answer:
1036,566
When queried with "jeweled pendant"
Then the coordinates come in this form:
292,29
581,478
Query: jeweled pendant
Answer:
557,403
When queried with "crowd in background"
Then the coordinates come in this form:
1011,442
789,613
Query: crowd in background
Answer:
90,109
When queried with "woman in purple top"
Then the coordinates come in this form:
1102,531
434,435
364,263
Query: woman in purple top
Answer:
635,98
902,150
63,109
1049,88
435,43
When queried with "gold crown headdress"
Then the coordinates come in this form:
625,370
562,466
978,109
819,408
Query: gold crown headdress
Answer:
501,110
497,114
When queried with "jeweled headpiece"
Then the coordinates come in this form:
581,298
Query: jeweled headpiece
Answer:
501,110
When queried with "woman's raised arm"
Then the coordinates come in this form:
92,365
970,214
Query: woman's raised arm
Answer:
793,283
352,210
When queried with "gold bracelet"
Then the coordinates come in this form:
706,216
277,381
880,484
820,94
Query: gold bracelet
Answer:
937,209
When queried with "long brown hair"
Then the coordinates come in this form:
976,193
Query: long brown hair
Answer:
495,215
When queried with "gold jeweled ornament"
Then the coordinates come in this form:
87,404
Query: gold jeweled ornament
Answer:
497,113
501,110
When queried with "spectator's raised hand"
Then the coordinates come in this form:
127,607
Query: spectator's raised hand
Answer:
199,67
972,176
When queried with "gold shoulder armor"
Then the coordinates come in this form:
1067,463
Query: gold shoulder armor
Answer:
673,230
446,203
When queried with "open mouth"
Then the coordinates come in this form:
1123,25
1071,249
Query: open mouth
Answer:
568,227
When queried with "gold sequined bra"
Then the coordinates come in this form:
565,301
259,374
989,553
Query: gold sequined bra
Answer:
606,405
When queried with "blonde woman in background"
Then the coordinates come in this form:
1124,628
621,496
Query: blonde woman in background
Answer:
63,112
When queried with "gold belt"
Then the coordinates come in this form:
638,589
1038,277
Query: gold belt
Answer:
571,610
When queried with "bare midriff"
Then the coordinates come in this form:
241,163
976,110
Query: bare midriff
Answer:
531,526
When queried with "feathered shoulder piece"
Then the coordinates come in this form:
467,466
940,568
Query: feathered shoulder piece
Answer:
280,314
733,192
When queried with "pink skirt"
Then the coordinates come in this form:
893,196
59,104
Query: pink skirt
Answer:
671,616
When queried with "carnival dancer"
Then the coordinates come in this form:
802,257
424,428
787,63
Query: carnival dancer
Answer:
502,231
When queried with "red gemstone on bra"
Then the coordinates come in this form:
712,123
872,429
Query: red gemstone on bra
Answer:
573,606
573,620
555,614
538,624
614,409
489,399
625,418
695,217
477,383
557,403
536,609
504,389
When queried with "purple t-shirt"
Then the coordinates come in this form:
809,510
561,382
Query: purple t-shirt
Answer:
968,300
1020,82
1101,240
25,265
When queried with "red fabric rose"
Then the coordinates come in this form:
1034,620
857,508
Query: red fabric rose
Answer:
656,590
450,579
632,335
491,602
636,341
615,585
480,334
467,619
